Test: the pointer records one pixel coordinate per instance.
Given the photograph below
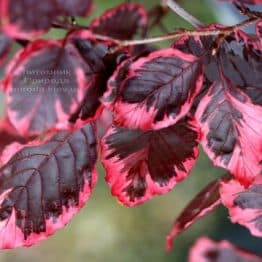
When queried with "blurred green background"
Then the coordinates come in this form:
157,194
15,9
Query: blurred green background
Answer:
106,231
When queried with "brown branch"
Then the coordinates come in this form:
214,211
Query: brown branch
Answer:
200,32
244,10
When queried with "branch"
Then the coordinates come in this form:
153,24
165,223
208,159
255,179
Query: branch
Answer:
183,13
65,25
244,10
201,32
204,32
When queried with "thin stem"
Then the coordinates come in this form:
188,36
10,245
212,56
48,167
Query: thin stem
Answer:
109,39
183,13
244,10
200,32
67,26
204,32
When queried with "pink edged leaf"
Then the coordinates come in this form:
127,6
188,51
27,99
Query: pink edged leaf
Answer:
238,58
157,90
44,185
245,205
206,201
47,82
5,47
114,83
9,135
121,22
118,76
229,109
240,61
103,123
141,164
101,64
206,250
22,19
231,126
75,7
138,51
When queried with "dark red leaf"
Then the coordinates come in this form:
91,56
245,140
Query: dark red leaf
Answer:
245,205
121,72
232,128
229,110
200,206
157,90
22,19
44,185
102,64
238,57
206,250
46,83
75,7
121,22
141,164
138,51
114,83
9,135
156,15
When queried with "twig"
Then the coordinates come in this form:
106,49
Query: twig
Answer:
244,10
203,32
183,13
170,36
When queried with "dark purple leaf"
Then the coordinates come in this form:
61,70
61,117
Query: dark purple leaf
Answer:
121,22
156,15
51,80
157,90
231,126
229,109
10,135
206,250
240,61
23,19
114,83
200,206
238,58
244,204
141,164
102,64
44,185
75,7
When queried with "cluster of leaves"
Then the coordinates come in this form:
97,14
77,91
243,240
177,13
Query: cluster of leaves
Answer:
205,89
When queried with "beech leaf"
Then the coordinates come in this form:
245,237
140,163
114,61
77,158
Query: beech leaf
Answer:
44,185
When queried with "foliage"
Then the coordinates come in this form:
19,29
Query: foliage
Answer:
205,89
